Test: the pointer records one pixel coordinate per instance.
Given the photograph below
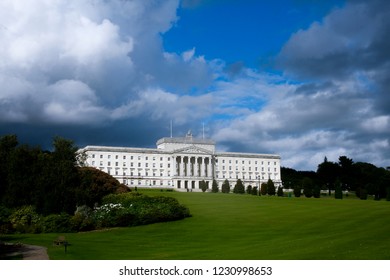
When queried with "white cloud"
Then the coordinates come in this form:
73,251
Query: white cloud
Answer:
112,48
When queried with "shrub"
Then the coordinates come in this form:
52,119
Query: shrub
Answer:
280,191
57,223
307,185
249,189
239,187
26,220
214,187
317,191
297,191
254,191
338,194
203,185
363,194
141,209
5,224
271,187
263,189
226,186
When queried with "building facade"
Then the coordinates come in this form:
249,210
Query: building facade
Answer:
182,163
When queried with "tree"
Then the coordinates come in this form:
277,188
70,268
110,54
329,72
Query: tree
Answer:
271,187
338,194
203,185
297,191
263,189
307,185
317,191
8,143
239,187
226,186
328,172
94,185
254,191
280,191
249,189
214,187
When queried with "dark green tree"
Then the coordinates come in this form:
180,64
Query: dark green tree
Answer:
297,191
226,186
8,143
338,194
328,172
307,185
239,187
94,185
254,191
280,191
263,189
271,187
203,185
249,189
317,191
214,187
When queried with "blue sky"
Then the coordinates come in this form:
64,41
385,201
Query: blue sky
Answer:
303,79
248,31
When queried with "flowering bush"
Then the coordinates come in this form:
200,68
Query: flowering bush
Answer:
111,215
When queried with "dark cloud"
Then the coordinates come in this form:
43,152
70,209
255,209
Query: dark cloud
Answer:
349,39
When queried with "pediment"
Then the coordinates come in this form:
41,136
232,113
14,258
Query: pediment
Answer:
193,150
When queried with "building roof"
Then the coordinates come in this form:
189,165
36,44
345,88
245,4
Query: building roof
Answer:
185,140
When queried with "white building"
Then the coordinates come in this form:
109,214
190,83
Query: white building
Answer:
182,163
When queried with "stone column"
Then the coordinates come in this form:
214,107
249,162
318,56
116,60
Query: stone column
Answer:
188,166
209,168
182,166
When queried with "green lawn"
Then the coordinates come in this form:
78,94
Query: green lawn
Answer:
230,226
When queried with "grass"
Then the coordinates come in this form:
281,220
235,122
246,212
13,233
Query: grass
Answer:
229,226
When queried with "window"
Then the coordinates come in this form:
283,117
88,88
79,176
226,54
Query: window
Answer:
116,157
93,155
93,162
109,156
161,159
101,156
124,157
116,163
109,163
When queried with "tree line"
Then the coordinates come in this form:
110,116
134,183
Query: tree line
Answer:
344,176
50,181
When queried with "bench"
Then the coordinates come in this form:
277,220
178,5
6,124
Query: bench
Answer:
61,240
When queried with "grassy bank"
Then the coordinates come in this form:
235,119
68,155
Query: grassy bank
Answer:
229,226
